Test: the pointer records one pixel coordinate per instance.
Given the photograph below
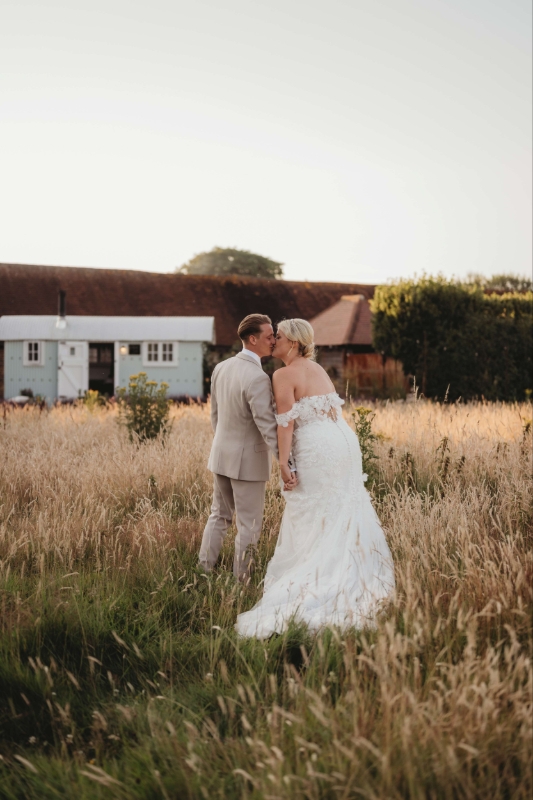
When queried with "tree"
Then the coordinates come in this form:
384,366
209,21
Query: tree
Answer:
506,282
230,261
455,339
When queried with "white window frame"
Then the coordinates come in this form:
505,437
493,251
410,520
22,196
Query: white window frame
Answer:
160,363
26,353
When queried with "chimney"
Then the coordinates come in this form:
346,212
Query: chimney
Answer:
61,310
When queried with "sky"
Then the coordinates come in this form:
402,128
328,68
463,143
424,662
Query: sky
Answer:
351,140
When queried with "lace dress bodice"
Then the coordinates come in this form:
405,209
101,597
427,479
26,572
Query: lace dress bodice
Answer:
313,408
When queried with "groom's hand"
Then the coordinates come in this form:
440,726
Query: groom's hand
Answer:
290,479
289,485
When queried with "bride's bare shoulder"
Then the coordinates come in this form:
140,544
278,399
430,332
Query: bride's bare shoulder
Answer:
282,376
317,369
313,368
317,379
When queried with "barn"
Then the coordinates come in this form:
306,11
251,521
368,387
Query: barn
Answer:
111,296
343,335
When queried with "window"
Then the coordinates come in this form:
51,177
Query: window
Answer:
153,351
160,353
99,352
33,354
134,349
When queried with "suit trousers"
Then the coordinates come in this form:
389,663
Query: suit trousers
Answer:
247,499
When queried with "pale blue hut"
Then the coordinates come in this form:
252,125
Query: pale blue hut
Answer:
62,357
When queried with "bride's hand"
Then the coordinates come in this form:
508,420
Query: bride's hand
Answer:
289,478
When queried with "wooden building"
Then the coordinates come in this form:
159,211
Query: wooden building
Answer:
27,290
343,335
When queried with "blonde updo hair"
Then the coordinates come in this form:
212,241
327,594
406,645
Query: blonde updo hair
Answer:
300,332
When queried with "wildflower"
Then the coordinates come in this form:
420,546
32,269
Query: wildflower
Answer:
151,383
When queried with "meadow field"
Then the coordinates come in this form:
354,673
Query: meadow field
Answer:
121,675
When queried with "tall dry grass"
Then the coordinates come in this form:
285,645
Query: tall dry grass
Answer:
119,669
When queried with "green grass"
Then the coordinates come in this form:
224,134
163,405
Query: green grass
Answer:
121,675
126,648
141,676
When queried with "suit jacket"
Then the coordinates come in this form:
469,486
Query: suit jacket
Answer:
242,416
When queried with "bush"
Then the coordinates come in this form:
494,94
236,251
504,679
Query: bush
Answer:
92,399
363,419
144,408
455,340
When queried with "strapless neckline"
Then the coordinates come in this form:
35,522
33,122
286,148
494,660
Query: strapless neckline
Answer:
312,396
310,408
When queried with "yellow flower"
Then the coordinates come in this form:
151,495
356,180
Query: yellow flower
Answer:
151,383
164,385
133,377
143,374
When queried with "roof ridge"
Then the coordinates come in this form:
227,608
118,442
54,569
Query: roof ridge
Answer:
245,278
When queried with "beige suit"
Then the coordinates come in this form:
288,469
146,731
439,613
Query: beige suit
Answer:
242,416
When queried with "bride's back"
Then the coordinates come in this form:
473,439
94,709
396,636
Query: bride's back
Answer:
308,378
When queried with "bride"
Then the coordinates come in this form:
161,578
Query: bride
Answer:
332,564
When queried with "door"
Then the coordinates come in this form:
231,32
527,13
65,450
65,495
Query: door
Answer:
102,367
73,369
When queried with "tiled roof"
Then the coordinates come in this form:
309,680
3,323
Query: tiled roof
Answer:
28,289
348,321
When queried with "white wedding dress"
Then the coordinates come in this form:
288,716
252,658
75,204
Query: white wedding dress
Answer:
332,564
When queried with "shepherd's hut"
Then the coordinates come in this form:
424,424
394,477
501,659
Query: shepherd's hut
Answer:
61,357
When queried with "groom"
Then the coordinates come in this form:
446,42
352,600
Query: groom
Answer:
242,416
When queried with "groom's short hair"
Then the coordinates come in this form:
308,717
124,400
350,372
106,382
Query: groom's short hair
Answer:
251,326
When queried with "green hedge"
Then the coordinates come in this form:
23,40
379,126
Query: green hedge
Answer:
453,335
